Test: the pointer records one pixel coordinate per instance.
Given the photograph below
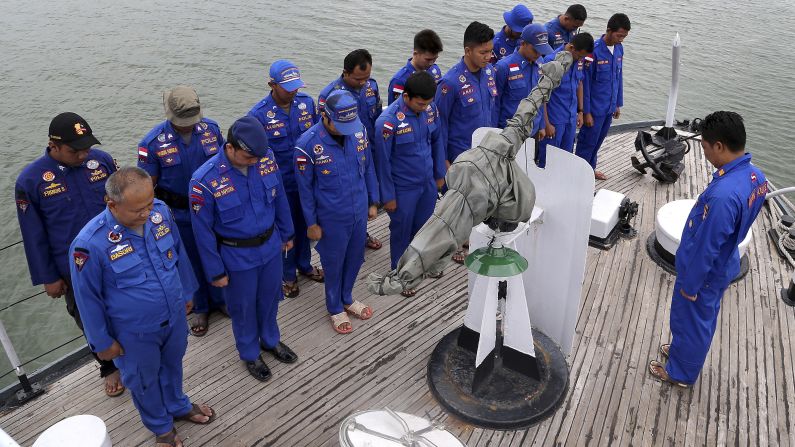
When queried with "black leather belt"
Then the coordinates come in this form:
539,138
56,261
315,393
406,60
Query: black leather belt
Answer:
255,241
172,199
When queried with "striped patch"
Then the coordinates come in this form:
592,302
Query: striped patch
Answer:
397,88
513,67
389,126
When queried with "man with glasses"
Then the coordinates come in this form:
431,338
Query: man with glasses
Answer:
56,195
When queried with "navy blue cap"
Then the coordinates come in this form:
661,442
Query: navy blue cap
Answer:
518,17
342,108
536,35
248,134
286,74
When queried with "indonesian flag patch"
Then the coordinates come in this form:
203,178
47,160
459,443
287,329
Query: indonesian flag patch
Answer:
513,67
143,154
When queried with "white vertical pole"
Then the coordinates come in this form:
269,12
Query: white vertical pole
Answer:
674,92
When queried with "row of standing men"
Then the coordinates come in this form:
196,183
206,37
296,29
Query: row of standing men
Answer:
288,173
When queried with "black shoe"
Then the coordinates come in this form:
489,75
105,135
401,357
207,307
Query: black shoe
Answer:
282,353
259,370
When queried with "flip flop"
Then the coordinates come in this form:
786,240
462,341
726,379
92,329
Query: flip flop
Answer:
199,320
657,370
599,175
196,410
119,390
436,276
338,320
408,293
373,243
170,439
315,274
665,350
290,289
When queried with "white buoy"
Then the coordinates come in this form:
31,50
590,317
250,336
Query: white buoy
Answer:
674,92
670,223
6,440
83,430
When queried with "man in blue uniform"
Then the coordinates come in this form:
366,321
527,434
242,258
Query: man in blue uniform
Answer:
355,78
507,39
518,73
339,193
427,46
134,286
563,112
56,195
170,152
707,259
563,28
242,226
410,162
466,98
285,114
603,89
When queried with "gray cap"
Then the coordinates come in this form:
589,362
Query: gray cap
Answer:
182,106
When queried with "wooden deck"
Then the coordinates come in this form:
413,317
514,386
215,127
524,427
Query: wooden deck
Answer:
745,396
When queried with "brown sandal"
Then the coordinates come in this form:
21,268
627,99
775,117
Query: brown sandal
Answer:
315,274
290,289
357,309
197,411
170,439
665,350
657,370
373,243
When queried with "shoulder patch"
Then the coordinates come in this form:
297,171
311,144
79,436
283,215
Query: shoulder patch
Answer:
80,256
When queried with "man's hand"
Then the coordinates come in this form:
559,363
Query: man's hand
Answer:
579,120
287,246
372,212
550,130
111,353
588,120
447,163
390,206
188,307
691,298
314,232
617,113
221,282
439,184
540,135
56,289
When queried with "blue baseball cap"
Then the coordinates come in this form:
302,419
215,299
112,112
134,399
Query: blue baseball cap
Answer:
518,17
248,134
286,74
342,108
536,35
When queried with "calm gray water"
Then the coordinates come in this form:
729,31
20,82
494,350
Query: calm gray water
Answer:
110,63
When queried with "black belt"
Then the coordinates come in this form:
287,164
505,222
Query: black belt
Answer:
255,241
172,199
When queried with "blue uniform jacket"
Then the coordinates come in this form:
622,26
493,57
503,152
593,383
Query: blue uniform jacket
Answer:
603,84
719,221
516,76
125,282
503,46
229,204
284,129
562,105
53,203
465,101
164,155
335,184
398,81
368,97
557,33
410,152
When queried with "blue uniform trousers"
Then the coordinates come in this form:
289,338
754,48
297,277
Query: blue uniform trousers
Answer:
692,327
341,252
300,256
252,298
414,207
206,297
591,138
151,368
564,139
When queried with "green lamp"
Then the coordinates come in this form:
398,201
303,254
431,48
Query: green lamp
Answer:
496,260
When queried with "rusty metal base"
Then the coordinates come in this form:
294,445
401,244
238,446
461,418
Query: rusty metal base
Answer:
507,400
